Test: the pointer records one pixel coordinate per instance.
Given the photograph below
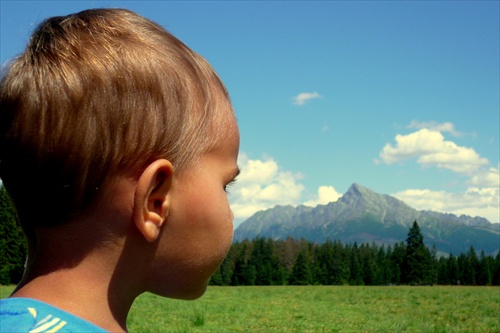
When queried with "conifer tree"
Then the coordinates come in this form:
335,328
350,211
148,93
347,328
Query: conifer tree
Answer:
384,271
324,256
265,262
443,274
452,270
495,279
244,273
369,269
301,272
485,274
471,267
462,269
12,242
397,258
418,258
356,277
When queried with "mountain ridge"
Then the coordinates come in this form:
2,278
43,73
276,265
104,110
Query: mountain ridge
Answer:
362,215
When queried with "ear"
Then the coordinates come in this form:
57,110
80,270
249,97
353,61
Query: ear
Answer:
151,200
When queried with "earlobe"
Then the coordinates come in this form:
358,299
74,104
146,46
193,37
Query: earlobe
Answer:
151,201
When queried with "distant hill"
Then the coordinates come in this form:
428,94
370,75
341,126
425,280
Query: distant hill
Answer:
364,216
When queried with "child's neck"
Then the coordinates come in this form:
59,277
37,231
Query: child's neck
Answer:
90,290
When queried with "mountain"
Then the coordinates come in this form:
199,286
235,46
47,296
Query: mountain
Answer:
364,216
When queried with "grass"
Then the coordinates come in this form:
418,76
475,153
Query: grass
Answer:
322,309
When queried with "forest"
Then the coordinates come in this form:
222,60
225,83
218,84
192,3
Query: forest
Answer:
299,262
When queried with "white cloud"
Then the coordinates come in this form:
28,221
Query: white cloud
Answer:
326,194
262,184
484,202
256,171
486,178
435,126
302,98
431,149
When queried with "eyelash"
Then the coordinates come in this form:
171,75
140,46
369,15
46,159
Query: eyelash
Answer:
229,185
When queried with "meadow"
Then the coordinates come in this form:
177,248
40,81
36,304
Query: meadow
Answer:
321,309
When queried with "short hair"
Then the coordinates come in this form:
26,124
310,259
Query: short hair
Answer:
95,94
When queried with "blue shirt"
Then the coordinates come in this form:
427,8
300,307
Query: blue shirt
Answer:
23,315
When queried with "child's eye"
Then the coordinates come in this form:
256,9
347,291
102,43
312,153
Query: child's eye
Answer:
229,185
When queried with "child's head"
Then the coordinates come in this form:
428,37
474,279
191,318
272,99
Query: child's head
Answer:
98,94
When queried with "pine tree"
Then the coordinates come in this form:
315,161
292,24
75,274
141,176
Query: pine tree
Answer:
384,271
12,242
356,277
332,264
265,261
433,265
369,269
471,267
495,279
485,274
418,258
244,273
397,259
323,257
452,264
301,272
216,279
462,268
443,275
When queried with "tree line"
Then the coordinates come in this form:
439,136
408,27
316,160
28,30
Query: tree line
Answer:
299,262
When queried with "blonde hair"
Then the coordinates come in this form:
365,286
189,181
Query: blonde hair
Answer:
95,94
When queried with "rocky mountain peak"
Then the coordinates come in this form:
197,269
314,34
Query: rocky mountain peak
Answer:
357,194
360,198
363,215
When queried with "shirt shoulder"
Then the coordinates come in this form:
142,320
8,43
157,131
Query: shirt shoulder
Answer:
29,315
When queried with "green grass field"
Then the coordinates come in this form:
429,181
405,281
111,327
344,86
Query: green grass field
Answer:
321,309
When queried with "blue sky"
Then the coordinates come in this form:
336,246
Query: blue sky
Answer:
400,97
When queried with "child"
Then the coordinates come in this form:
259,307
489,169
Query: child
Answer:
117,143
